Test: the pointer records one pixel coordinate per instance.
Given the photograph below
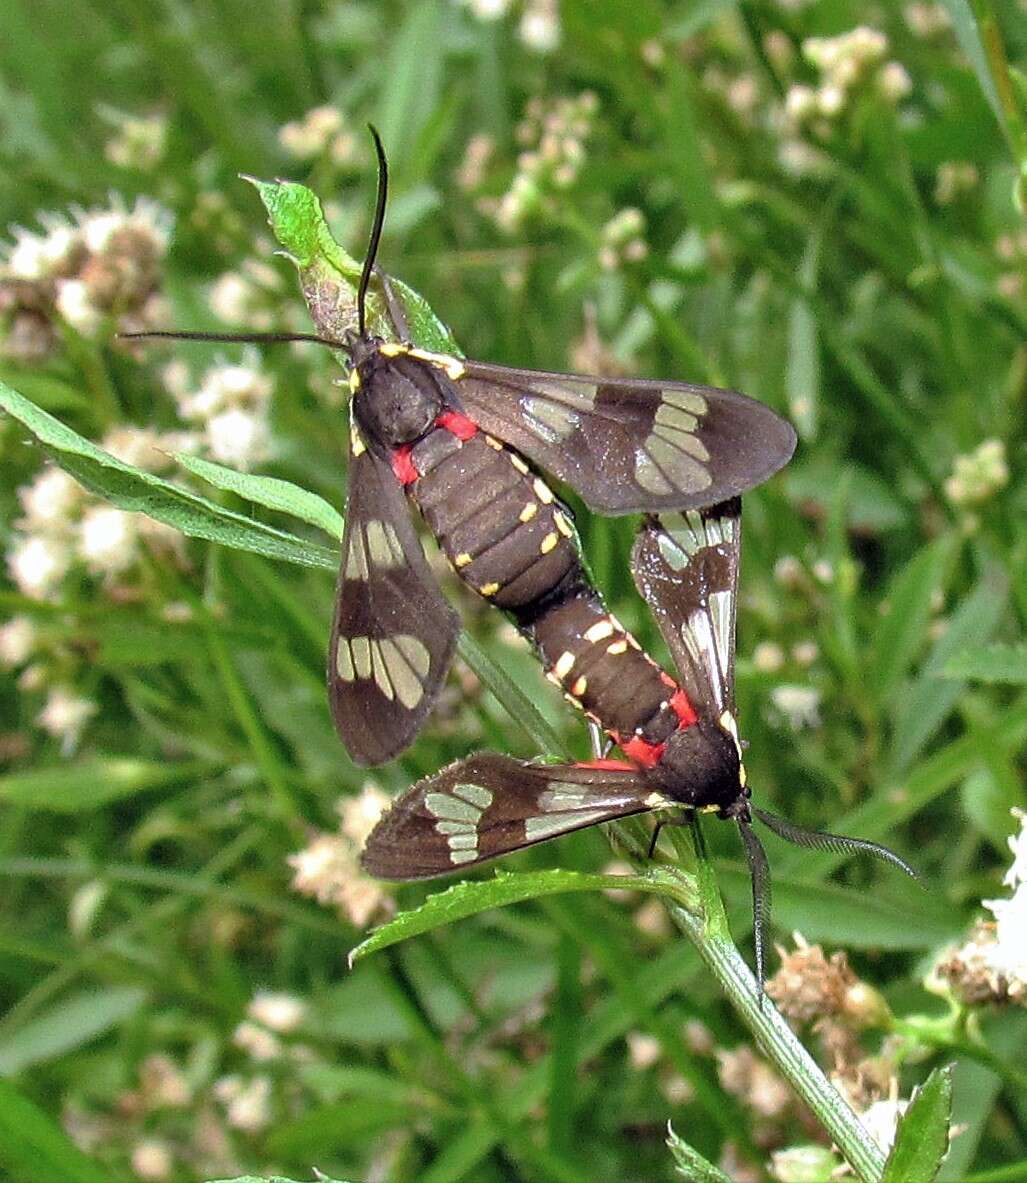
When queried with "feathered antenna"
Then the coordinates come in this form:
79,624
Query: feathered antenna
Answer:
759,871
821,840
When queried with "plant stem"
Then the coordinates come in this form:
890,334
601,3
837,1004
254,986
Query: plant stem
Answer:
707,926
1013,122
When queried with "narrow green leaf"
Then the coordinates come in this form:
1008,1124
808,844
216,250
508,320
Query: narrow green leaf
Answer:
411,79
479,895
902,632
33,1147
137,491
68,1025
331,1129
992,663
690,1164
965,27
802,372
922,1138
275,1179
91,784
297,220
282,496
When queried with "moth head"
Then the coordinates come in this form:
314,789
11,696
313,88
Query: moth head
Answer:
703,757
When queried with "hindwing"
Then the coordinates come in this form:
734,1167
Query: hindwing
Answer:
393,633
626,444
488,805
685,566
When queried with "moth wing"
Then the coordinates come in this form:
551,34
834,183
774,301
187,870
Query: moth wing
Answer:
489,805
393,633
685,566
627,444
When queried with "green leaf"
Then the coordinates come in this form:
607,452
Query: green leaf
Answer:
802,371
922,1138
33,1147
91,784
902,632
411,79
137,491
275,1179
328,1130
965,27
68,1025
992,663
690,1164
282,496
480,895
329,276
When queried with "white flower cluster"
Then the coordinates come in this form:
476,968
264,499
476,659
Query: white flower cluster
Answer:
230,408
553,136
991,965
249,296
138,142
539,26
845,64
798,705
953,179
328,868
978,476
92,269
622,240
320,133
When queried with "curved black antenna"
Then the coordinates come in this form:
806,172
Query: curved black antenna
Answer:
231,338
839,843
759,870
376,227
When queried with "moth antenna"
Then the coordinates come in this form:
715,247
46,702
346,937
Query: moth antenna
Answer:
232,338
840,843
376,227
759,871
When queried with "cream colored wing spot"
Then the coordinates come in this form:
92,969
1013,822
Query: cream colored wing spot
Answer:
458,815
563,796
685,400
540,827
360,647
406,662
356,559
383,544
381,673
344,661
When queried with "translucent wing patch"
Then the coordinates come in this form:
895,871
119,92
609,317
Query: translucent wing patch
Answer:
628,444
393,634
489,805
685,566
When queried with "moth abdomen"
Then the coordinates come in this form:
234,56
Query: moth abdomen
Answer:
498,524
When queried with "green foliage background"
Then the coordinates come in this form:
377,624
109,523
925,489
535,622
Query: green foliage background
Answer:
146,894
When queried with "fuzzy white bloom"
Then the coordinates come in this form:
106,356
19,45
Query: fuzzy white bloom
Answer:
644,1050
539,28
360,814
17,640
258,1043
328,870
249,1109
139,142
147,218
489,10
881,1120
1009,953
75,304
894,82
231,297
767,657
800,705
142,447
65,714
223,387
239,438
152,1160
50,502
99,227
978,476
108,539
38,564
36,256
279,1012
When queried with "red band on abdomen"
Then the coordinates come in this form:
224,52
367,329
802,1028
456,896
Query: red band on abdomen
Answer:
403,466
684,710
459,425
642,751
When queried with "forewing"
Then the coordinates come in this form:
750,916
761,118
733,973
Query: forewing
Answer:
628,444
393,634
685,566
488,805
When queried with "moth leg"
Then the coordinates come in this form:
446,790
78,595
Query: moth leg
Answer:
599,741
656,837
394,307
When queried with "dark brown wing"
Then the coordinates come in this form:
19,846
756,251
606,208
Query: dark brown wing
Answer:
393,635
628,444
686,568
488,805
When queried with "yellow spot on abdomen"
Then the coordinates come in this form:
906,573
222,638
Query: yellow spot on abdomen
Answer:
528,512
580,686
543,491
564,664
461,559
617,647
549,542
489,589
599,631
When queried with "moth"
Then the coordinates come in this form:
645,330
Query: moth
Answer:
683,753
458,438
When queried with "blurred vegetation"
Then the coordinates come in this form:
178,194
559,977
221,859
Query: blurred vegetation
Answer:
718,192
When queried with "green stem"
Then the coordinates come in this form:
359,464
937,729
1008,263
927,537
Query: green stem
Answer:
1013,1172
1014,124
707,926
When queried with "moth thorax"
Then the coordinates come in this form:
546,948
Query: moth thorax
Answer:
699,767
397,399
